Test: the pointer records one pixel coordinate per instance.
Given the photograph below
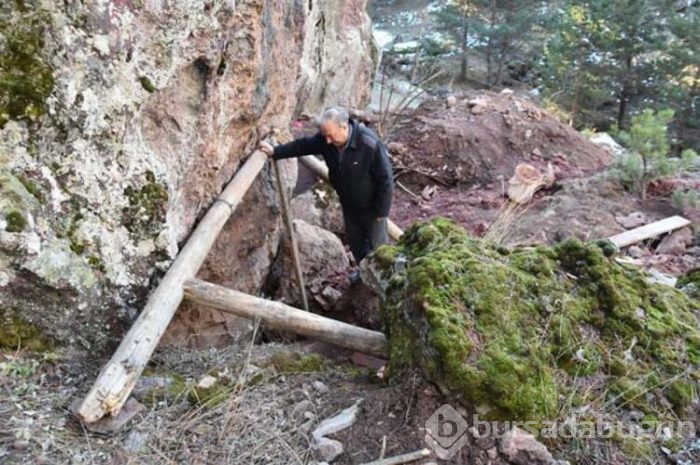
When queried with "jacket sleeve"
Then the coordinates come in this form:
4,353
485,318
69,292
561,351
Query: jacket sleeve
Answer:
383,178
311,145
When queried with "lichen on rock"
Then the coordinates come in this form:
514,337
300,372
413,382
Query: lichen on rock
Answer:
527,333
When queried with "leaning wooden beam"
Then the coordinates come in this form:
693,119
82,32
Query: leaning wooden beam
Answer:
648,231
321,170
117,378
277,315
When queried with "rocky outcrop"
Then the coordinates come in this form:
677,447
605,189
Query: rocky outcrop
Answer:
340,56
129,119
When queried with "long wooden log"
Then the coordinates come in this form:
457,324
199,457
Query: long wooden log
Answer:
321,170
277,315
118,376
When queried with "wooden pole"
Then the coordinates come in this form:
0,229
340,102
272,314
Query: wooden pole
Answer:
321,170
287,215
118,376
277,315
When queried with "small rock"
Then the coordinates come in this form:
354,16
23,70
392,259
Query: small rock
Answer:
451,101
327,449
521,448
331,294
485,443
635,415
396,148
633,220
300,409
676,243
492,453
207,382
635,252
20,444
135,441
320,387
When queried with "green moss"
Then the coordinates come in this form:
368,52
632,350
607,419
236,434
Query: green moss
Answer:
15,222
147,84
295,362
512,330
33,188
176,389
638,449
96,263
213,395
147,206
15,333
26,80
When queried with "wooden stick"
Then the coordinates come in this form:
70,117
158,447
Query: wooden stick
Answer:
321,170
118,376
277,315
287,215
404,458
648,231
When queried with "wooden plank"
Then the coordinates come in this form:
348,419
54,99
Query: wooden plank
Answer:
117,378
648,231
321,170
277,315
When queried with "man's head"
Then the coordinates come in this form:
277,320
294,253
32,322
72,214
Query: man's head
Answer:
335,126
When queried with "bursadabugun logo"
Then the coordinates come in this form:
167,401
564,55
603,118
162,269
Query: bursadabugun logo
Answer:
445,432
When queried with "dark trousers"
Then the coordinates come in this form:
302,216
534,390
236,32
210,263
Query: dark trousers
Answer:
364,233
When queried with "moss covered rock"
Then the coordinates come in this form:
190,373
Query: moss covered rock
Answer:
690,283
26,80
16,333
526,334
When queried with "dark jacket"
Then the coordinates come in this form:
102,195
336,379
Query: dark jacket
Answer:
362,175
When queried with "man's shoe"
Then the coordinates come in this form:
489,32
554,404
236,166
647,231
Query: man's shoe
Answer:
354,276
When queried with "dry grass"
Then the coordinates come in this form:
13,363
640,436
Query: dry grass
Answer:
255,422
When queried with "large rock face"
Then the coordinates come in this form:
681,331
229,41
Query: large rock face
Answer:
340,57
120,122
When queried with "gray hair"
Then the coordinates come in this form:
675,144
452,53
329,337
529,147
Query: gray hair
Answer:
339,115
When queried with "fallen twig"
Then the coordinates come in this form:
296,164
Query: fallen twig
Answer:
408,191
404,458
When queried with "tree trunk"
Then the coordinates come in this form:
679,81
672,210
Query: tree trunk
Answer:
624,94
490,45
465,30
577,93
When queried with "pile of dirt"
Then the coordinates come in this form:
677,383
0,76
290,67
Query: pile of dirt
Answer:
543,335
478,137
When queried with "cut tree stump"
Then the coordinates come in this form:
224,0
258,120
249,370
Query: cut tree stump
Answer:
648,231
118,377
321,170
277,315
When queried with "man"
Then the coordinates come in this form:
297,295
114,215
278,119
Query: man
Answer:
359,170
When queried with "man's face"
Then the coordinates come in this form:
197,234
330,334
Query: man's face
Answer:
335,133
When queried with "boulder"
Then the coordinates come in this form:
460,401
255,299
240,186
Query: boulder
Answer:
322,257
139,115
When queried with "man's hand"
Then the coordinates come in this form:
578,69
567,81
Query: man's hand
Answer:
266,148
